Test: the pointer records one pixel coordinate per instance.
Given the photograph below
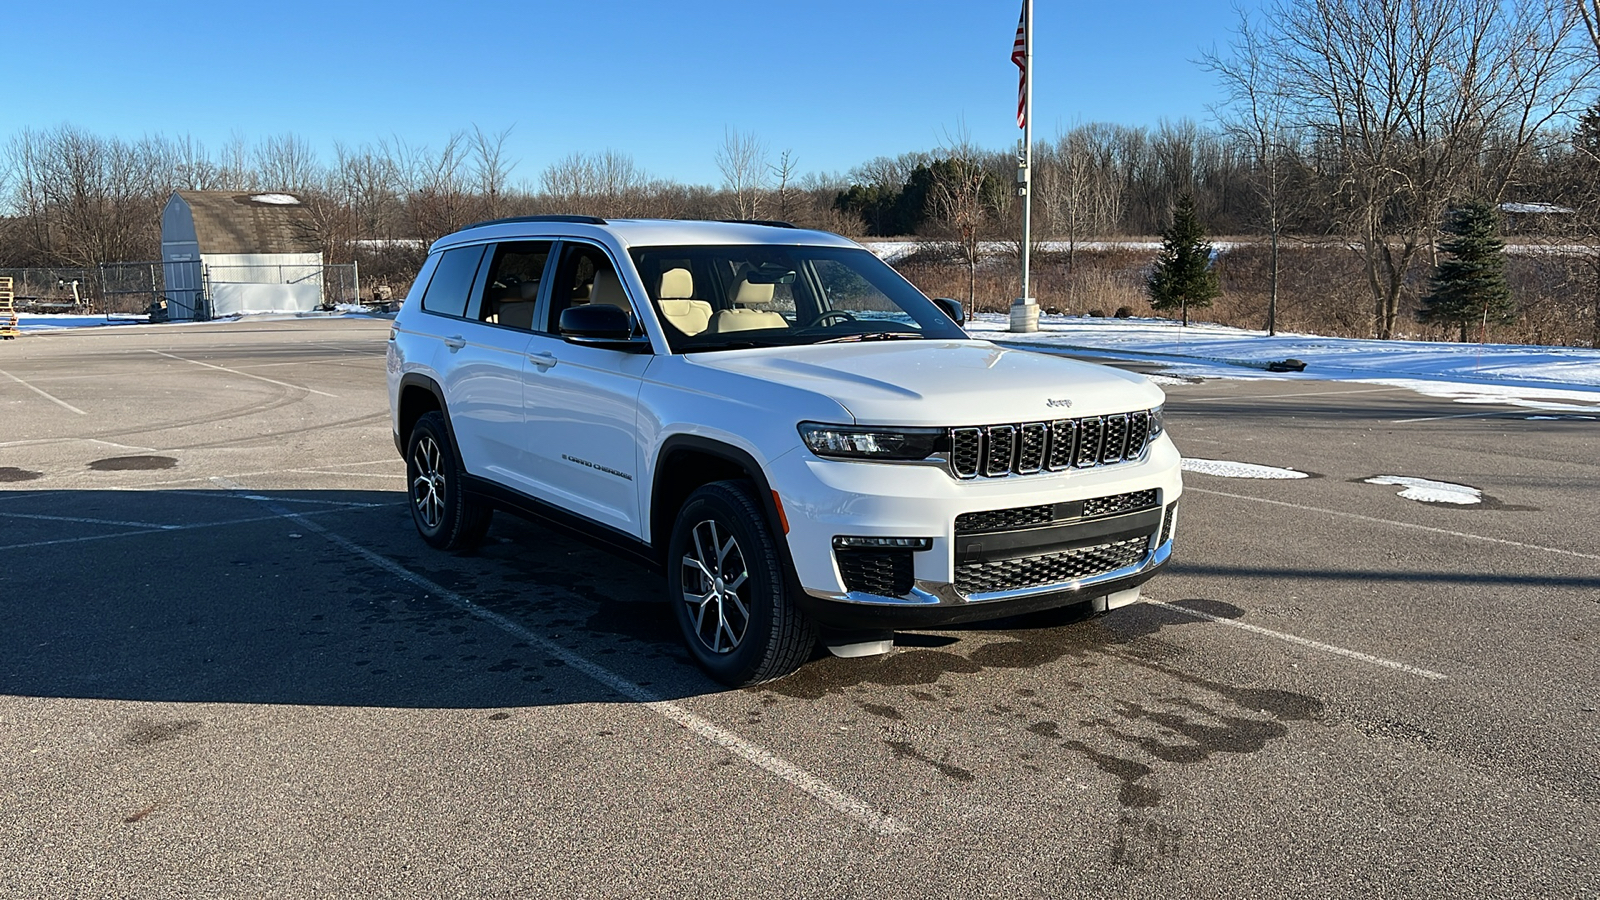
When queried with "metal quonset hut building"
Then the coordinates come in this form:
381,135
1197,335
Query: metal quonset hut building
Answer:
225,253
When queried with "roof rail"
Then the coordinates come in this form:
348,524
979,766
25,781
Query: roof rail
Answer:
771,223
580,220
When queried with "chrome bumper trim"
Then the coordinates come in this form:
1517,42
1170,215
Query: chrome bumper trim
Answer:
943,593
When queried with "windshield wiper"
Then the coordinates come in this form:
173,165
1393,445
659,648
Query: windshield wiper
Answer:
874,336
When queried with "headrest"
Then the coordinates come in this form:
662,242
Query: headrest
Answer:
747,294
608,290
677,284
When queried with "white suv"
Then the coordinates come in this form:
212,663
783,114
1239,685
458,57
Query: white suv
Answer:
800,440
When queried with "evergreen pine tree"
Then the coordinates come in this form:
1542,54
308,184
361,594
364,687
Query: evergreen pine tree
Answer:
1470,286
1183,275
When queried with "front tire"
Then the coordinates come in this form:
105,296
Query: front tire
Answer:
445,515
725,581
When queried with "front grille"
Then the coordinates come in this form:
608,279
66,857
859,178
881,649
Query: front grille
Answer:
1119,503
966,451
887,573
1001,454
995,451
1090,431
1020,517
1030,451
1053,568
1004,519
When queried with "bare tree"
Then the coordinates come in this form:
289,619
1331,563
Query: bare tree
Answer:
784,194
434,186
1258,114
742,160
1409,92
960,202
492,170
287,162
599,184
89,199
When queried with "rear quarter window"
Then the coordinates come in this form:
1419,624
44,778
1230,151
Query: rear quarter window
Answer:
451,285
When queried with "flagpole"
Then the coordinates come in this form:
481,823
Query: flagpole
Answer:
1025,309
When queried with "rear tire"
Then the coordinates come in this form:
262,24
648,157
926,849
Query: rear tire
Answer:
726,584
446,516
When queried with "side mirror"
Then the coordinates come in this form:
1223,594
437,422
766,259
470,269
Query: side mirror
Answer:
952,308
601,325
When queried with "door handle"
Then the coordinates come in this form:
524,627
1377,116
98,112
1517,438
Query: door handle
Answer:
542,360
455,342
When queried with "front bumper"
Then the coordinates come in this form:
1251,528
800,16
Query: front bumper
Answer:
972,572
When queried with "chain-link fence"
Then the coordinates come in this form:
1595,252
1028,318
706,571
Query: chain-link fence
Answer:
129,287
141,287
53,290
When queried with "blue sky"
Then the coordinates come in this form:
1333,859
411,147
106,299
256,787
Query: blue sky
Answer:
837,82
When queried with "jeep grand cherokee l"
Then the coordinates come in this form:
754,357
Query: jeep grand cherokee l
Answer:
780,423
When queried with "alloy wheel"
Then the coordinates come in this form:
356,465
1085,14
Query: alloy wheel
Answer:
714,571
427,483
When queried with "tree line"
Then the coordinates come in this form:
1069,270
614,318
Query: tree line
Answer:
1361,121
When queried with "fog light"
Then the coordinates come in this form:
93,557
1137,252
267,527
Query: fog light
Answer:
882,543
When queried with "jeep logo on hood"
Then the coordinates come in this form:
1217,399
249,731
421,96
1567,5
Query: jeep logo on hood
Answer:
1058,404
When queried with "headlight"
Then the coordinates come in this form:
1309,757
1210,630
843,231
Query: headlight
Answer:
1158,422
864,442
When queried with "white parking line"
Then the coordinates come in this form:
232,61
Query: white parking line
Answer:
1407,525
83,521
166,529
757,755
53,399
299,387
1304,642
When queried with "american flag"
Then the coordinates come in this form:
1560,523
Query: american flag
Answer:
1019,55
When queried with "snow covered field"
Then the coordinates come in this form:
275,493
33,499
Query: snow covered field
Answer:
1548,379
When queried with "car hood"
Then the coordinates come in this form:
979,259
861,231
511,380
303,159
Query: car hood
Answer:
943,382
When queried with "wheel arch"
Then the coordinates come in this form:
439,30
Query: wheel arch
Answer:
420,395
687,462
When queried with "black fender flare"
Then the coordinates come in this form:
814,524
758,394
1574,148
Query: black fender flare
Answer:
418,380
738,457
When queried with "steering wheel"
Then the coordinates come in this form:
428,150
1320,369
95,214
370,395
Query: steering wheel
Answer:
830,314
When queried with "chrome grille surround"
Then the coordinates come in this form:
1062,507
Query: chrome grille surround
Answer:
966,451
1028,448
1000,456
1063,438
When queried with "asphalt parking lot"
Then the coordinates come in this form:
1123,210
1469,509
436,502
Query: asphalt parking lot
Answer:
229,668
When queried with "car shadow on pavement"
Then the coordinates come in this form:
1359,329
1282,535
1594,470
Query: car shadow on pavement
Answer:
297,597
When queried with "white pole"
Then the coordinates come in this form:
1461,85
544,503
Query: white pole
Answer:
1025,309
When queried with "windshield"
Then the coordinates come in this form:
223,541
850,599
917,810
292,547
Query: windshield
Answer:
722,297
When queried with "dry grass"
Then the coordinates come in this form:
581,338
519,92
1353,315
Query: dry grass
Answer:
1322,289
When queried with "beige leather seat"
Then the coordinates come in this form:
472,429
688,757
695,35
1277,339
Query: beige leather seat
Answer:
607,290
741,317
514,308
678,305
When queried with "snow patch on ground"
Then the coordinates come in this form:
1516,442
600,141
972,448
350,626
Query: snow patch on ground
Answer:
1425,491
29,322
1225,469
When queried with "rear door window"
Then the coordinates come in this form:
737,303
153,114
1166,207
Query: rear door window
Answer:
511,292
451,285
